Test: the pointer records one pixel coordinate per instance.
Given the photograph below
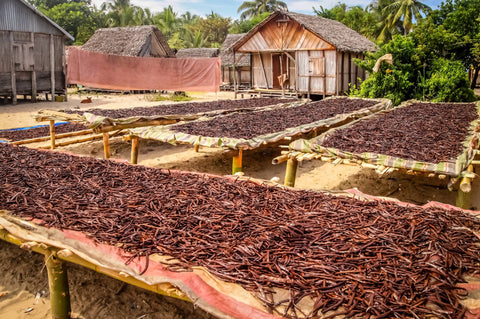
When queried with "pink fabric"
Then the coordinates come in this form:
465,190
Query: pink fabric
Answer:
141,73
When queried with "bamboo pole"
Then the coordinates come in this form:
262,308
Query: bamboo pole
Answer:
106,145
237,162
464,193
58,284
52,134
134,155
58,136
291,172
66,255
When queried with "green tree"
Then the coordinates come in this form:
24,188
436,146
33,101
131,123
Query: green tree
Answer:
356,18
384,28
243,26
253,8
408,10
48,4
413,75
75,18
215,27
459,21
167,21
121,13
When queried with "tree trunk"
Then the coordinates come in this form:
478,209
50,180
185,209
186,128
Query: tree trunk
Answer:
473,84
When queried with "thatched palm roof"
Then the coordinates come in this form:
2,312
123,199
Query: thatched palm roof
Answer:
198,53
334,32
146,41
226,53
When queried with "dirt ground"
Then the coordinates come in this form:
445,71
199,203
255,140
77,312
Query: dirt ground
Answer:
23,284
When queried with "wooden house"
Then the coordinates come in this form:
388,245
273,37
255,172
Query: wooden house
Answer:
140,41
303,54
32,52
198,53
242,72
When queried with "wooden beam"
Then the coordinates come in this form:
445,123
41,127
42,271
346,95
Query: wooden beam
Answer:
291,57
52,66
309,78
324,75
263,69
342,72
349,68
235,89
12,70
34,73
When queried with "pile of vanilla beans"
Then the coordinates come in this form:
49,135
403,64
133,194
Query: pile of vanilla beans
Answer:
427,132
352,257
248,125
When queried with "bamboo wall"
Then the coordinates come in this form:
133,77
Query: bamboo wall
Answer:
27,62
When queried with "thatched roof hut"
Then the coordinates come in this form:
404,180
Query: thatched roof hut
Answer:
198,53
304,54
226,53
141,41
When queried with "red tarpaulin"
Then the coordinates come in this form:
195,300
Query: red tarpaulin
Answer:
142,73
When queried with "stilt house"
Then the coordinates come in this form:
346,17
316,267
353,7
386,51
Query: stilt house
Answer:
32,52
140,41
303,54
242,73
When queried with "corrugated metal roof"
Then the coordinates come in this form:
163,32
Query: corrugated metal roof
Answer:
18,15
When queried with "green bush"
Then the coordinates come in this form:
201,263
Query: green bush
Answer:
413,75
393,81
448,82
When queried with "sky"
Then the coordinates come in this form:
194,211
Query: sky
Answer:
228,8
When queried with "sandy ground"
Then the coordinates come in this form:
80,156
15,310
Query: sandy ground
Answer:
23,285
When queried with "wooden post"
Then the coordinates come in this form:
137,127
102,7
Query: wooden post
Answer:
263,69
291,172
197,147
106,145
34,73
464,192
58,285
237,162
281,74
349,69
52,66
12,70
324,75
52,134
309,77
342,80
356,71
234,77
134,155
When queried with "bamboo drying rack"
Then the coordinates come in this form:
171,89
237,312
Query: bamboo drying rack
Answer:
293,157
55,258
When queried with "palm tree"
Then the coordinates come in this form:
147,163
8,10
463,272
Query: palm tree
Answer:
408,9
167,21
121,13
384,28
253,8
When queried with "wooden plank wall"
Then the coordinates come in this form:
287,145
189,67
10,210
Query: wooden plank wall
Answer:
259,72
348,72
32,60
